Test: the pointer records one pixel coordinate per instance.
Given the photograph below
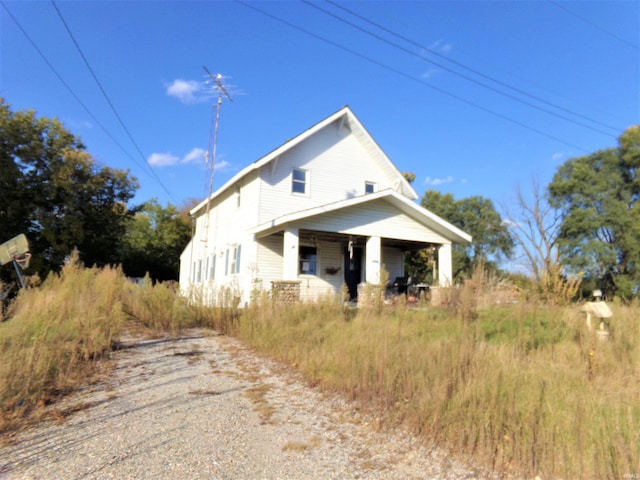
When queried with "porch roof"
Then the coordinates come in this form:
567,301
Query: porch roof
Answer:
395,199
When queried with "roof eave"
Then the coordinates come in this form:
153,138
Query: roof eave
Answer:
443,227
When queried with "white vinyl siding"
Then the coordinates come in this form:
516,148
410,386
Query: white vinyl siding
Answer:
375,218
313,287
393,261
337,166
269,259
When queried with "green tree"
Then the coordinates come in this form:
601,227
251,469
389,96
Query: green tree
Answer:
478,217
52,190
598,196
154,240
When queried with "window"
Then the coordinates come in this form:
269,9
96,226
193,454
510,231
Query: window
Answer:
199,271
238,196
369,187
232,264
212,267
299,181
308,260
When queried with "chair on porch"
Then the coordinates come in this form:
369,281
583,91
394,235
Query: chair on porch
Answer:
401,284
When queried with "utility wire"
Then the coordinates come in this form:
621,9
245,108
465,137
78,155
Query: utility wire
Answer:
594,25
67,86
461,75
113,108
409,77
465,67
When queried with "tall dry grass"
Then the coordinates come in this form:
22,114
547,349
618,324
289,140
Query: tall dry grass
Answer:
524,388
55,334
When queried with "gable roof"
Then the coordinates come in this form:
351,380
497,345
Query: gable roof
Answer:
402,203
346,118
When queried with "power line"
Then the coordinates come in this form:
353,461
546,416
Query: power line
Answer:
113,108
461,75
594,25
465,67
66,85
409,77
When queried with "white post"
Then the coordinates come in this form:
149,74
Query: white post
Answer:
290,254
445,265
374,260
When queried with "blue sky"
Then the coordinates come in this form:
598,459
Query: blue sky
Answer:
458,93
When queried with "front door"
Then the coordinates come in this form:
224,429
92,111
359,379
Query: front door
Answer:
352,270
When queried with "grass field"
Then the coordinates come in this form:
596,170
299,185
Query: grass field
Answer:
523,388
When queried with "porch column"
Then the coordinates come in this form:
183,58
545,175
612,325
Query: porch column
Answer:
374,260
290,254
445,265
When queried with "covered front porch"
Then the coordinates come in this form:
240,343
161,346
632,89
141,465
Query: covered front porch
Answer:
324,262
351,242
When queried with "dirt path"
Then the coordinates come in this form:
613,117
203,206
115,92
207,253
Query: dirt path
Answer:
203,407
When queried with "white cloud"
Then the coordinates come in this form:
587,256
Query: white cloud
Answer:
187,91
196,155
222,166
441,46
438,181
162,160
430,73
558,156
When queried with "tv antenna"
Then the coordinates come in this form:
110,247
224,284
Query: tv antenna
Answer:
210,155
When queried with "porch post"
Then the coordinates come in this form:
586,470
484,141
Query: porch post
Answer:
374,260
445,265
290,254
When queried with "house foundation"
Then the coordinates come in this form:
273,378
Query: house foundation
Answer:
285,291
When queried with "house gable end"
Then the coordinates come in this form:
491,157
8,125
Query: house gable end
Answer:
342,124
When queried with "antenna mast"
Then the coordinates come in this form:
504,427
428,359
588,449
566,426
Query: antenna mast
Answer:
210,156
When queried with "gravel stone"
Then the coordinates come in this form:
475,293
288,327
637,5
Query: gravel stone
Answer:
202,406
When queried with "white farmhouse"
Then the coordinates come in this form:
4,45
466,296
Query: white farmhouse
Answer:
325,209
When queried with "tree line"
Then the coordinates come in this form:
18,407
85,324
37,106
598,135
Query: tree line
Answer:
585,223
61,198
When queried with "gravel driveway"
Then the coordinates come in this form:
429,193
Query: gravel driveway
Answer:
204,407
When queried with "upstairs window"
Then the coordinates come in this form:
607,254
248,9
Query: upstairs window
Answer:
369,187
299,181
308,262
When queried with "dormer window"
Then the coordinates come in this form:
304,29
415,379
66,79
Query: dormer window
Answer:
299,181
369,187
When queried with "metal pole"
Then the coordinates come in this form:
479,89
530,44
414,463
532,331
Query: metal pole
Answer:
17,267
